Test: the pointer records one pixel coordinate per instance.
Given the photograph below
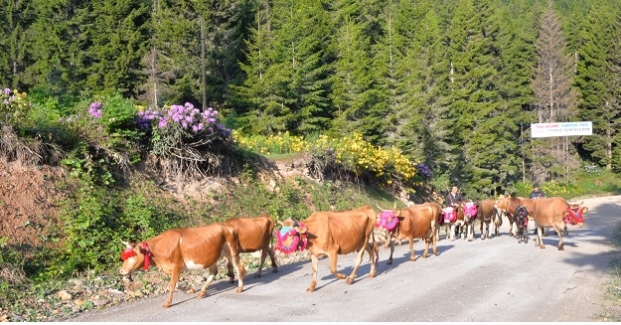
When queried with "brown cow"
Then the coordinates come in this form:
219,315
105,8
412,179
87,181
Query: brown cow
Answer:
549,212
576,208
191,248
254,234
451,227
488,213
339,233
508,204
417,221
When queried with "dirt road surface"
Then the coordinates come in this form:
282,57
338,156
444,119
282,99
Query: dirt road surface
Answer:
490,280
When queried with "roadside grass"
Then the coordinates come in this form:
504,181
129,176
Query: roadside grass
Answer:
612,292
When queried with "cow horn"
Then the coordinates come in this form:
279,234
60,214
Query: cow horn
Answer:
380,208
394,205
126,244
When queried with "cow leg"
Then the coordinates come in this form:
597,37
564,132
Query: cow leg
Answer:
359,259
314,262
174,277
270,251
261,261
559,232
373,251
412,255
213,271
470,231
452,233
539,238
333,263
428,240
481,230
392,249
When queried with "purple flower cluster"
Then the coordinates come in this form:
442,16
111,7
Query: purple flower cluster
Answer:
145,117
424,170
187,117
95,110
6,97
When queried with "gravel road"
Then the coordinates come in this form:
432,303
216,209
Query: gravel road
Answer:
482,281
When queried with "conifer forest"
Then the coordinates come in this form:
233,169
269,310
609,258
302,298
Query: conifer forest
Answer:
454,84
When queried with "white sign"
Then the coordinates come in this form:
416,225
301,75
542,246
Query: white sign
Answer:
545,130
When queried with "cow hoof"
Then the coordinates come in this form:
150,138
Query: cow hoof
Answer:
239,290
275,271
341,276
257,276
231,280
350,280
191,291
425,255
201,294
311,288
371,275
389,263
166,305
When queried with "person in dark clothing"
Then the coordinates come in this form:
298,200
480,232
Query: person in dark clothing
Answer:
537,193
453,198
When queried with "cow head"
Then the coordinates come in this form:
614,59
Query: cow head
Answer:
388,219
521,215
470,210
291,237
134,256
574,214
503,201
449,214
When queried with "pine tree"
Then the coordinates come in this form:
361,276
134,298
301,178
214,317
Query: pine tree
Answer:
555,98
599,81
16,17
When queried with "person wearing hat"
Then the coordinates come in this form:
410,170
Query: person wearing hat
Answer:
536,193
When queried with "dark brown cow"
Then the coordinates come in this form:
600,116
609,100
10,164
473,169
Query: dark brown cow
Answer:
549,212
488,213
254,234
191,248
417,221
339,233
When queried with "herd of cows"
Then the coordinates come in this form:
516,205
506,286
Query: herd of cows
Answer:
339,233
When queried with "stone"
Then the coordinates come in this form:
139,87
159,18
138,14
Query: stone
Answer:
64,295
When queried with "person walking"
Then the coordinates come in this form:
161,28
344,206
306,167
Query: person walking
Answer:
537,193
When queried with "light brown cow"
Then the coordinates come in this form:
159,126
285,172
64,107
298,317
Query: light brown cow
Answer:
548,212
417,221
254,234
488,213
339,233
191,248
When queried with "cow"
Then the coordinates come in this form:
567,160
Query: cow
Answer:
470,214
576,208
508,204
488,213
339,233
191,248
254,234
552,212
453,217
417,221
521,220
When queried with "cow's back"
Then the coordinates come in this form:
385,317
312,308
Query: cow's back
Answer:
195,246
348,230
486,209
416,222
549,211
252,233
